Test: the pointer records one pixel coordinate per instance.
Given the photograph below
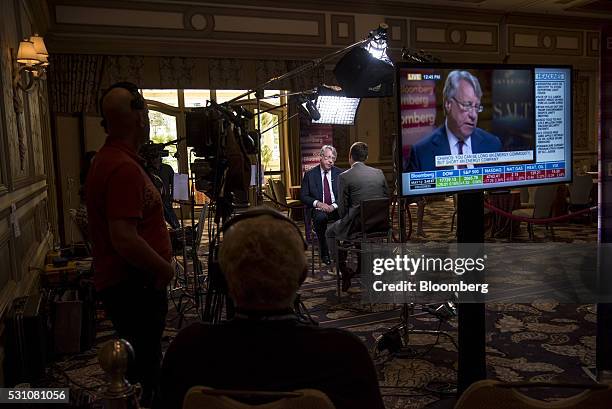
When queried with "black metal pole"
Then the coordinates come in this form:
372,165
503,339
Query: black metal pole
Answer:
258,173
303,68
604,310
471,317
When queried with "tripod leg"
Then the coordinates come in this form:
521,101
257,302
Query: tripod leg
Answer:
302,312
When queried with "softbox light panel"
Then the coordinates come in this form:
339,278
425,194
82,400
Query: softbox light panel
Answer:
362,76
336,110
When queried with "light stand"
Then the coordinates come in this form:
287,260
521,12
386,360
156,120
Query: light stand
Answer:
190,288
378,36
471,317
213,304
397,338
184,287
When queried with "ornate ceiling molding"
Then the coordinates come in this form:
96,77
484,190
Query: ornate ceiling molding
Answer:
182,21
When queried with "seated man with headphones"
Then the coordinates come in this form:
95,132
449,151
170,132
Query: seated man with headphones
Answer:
265,346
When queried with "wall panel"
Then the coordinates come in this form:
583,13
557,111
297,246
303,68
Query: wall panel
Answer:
23,129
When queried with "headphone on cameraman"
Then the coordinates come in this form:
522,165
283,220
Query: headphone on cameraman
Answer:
138,103
260,212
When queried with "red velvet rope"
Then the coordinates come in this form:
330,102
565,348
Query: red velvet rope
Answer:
537,221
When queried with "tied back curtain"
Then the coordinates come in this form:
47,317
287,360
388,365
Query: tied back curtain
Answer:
74,82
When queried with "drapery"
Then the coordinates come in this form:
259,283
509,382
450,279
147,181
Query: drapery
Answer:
74,82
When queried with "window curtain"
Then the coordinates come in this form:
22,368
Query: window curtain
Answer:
125,68
294,148
74,82
77,81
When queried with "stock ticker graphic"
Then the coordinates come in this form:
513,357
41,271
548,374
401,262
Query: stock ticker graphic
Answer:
486,175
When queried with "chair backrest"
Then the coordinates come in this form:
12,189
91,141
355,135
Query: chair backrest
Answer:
580,190
489,394
280,192
200,397
528,195
524,194
374,217
543,201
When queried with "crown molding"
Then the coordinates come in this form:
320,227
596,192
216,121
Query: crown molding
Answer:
163,47
551,21
390,8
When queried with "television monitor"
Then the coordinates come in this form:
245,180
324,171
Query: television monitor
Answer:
468,127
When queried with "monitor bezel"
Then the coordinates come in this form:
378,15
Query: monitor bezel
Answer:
476,66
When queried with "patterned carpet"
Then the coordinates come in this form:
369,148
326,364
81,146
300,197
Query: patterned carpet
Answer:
541,341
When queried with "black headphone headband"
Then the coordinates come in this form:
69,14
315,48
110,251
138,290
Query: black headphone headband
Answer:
259,212
136,104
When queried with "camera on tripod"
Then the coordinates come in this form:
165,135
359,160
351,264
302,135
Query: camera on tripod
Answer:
153,152
222,143
224,146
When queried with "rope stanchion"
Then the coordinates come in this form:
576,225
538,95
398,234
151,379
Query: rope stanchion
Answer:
538,221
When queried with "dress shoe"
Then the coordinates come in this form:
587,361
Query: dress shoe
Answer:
326,260
346,275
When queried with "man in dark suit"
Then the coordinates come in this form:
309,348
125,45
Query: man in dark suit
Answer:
360,182
319,192
459,135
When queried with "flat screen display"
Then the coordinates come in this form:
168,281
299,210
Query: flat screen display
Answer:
479,127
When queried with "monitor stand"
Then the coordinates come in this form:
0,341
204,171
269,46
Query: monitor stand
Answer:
471,317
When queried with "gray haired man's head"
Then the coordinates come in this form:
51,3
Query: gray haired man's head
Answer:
453,80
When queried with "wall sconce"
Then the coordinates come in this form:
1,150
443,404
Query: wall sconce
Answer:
32,58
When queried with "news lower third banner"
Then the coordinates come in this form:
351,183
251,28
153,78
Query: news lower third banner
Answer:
472,273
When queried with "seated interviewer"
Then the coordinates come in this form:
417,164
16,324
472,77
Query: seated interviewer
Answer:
265,347
459,134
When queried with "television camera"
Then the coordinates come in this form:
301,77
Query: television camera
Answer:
150,150
222,143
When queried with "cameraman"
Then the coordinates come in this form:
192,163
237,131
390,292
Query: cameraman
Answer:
131,245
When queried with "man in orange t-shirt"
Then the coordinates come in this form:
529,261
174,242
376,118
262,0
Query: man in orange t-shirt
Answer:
131,244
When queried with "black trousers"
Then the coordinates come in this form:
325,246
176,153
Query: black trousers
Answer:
320,220
138,314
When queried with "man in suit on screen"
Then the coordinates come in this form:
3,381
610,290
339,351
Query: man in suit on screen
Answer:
319,193
459,134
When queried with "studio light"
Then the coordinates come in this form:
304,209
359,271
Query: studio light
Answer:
367,71
334,107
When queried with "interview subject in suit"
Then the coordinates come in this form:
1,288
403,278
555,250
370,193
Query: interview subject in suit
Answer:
459,134
360,182
320,200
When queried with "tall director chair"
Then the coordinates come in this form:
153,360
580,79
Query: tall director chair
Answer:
373,226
